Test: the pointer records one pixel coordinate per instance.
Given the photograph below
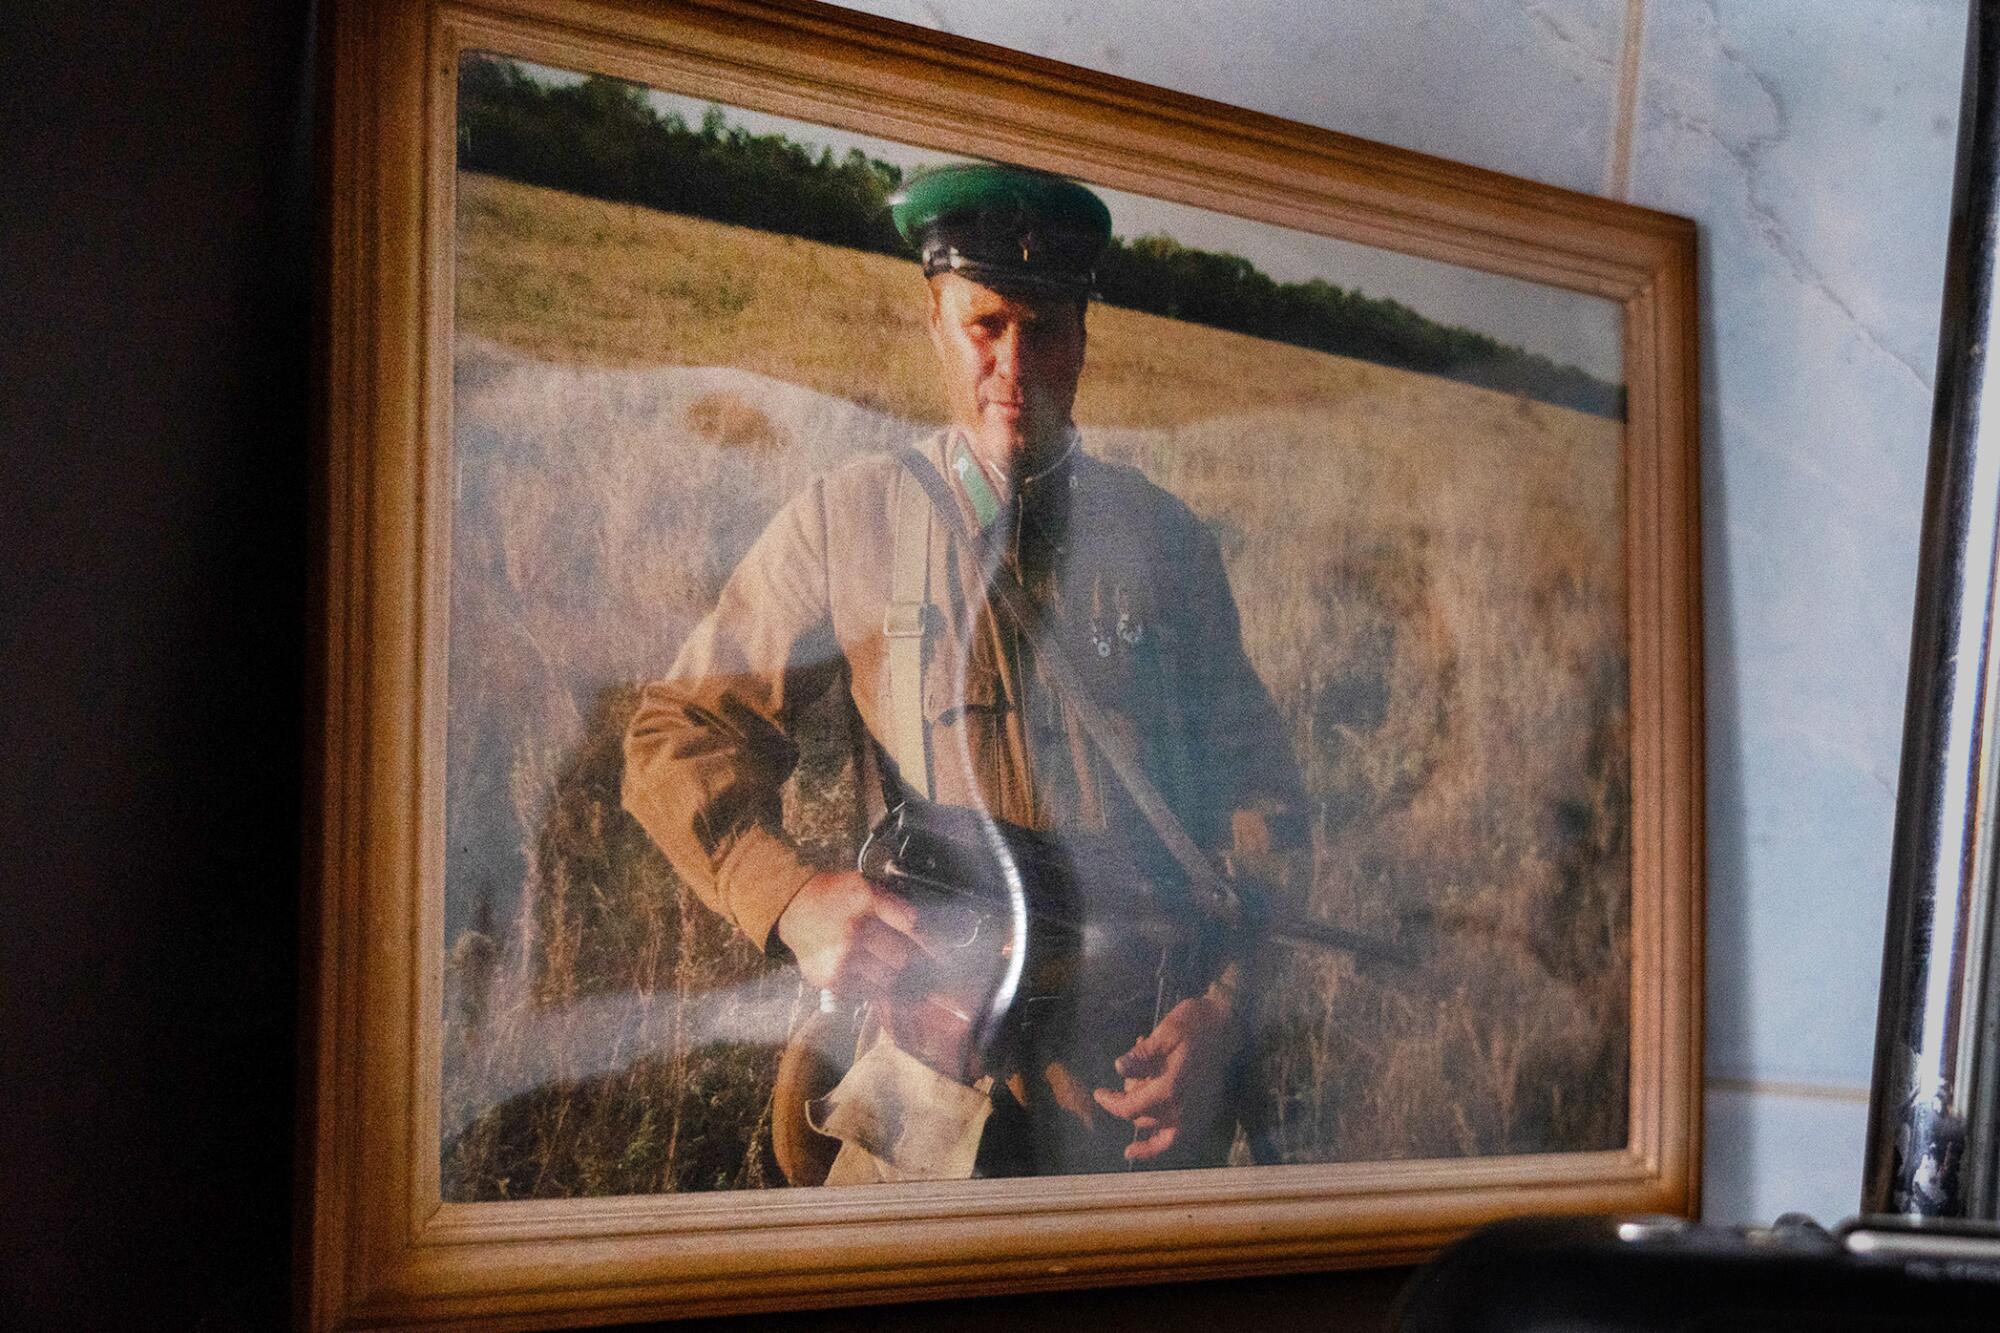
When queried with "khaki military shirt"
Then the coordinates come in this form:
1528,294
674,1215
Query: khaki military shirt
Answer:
1135,592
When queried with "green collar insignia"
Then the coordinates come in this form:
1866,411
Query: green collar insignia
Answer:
972,478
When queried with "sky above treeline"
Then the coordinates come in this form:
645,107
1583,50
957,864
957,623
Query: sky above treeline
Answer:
1565,326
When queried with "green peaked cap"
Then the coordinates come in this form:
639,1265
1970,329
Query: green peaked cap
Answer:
1004,226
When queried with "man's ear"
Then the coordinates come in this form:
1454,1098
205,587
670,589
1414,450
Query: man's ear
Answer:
934,314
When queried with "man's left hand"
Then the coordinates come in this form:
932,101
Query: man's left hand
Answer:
1176,1075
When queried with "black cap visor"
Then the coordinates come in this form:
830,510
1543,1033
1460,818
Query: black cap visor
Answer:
1040,279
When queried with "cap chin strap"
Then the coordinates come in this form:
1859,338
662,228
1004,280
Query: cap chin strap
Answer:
949,259
976,478
1071,443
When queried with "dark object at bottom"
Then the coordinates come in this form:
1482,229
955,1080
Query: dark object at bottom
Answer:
1652,1275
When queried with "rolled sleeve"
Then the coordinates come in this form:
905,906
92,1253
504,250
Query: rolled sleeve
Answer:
759,877
709,750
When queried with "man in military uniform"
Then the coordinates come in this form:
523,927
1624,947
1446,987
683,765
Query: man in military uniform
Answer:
864,584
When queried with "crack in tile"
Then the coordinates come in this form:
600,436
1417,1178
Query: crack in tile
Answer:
1768,224
1878,492
1542,15
1791,707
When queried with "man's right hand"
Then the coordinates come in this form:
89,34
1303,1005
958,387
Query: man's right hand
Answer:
849,936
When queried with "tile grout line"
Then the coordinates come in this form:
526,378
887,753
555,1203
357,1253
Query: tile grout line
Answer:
1620,174
1825,1092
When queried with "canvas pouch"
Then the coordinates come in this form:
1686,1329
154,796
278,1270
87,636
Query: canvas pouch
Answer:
899,1119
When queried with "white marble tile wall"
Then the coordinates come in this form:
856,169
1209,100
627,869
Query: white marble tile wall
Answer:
1780,1151
1813,141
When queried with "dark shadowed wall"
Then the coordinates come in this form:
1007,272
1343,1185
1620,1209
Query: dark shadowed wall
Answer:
152,505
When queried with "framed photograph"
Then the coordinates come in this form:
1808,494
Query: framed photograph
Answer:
945,674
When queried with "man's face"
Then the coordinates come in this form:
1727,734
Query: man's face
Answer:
1010,363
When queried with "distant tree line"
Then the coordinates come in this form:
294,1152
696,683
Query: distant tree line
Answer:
602,138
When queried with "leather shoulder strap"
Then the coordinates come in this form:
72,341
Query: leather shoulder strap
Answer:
1011,603
904,622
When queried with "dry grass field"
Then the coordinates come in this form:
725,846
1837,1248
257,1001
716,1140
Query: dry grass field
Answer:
1430,582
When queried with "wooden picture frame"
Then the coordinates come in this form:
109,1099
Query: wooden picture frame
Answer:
380,1247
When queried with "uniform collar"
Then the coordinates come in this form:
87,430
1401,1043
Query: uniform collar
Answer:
982,490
